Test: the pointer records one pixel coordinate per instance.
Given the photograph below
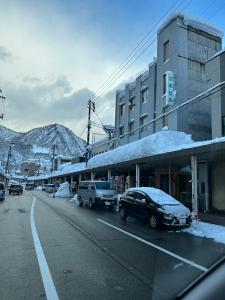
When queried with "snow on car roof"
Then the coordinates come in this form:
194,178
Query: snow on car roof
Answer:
157,195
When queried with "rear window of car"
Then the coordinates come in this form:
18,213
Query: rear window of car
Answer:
102,185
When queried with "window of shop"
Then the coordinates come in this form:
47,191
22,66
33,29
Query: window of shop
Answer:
131,103
166,51
145,96
122,109
143,121
223,125
121,130
164,84
131,127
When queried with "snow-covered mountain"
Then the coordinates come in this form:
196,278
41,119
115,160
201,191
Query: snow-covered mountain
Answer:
67,142
39,142
7,134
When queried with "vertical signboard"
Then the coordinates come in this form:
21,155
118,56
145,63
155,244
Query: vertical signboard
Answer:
170,92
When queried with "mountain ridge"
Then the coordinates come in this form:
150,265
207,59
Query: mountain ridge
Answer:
28,145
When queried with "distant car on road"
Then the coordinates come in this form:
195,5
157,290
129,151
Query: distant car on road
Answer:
15,189
96,194
50,188
154,207
2,191
29,187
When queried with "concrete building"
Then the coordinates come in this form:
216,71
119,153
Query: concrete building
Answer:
183,46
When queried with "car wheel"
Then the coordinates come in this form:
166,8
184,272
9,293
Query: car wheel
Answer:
123,214
80,202
153,221
90,204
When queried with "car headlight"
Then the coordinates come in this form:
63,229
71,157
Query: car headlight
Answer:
100,195
168,216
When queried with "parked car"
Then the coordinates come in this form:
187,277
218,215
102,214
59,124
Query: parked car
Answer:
50,188
15,188
2,191
96,194
29,186
154,207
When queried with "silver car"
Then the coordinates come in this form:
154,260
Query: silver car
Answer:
96,194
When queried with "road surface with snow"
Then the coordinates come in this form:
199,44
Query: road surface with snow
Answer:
50,245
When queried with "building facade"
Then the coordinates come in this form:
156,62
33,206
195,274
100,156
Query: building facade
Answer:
147,105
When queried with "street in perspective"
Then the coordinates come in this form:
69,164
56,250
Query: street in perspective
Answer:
112,150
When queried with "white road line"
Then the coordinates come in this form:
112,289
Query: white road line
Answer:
193,264
49,286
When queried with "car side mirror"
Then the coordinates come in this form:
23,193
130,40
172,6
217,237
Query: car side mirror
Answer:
143,200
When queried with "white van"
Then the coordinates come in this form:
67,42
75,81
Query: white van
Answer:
96,194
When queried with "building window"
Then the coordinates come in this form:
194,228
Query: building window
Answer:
164,84
166,51
165,118
122,109
121,130
131,127
145,96
131,103
143,121
223,125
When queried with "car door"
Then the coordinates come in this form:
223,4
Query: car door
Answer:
141,210
129,204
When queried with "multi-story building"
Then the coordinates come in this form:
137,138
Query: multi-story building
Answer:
184,48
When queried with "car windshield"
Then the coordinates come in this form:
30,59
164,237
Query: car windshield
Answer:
112,147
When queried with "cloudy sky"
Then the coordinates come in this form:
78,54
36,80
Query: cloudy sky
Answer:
54,54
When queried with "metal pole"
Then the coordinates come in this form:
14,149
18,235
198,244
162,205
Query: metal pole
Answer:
8,158
170,182
89,122
109,174
137,175
194,184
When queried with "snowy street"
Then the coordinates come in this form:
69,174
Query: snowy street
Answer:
92,254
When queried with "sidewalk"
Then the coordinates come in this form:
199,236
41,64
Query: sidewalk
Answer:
213,218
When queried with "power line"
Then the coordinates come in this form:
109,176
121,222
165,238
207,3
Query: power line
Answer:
134,50
129,63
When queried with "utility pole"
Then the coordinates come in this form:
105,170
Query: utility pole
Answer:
53,157
2,98
8,157
91,107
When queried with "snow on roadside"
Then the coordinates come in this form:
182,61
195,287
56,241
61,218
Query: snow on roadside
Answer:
63,191
74,199
39,188
207,230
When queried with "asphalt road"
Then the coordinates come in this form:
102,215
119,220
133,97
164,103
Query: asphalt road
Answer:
92,254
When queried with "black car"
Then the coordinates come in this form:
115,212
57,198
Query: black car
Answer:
2,191
29,187
15,189
154,207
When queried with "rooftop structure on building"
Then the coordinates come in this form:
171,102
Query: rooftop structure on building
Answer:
181,71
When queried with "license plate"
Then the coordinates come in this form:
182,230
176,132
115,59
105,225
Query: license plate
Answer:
107,203
182,221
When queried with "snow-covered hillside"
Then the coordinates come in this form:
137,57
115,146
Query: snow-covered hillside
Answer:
67,142
39,142
7,134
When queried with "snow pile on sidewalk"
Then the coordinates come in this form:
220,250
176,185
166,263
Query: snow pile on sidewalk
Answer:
63,191
207,230
74,199
157,143
39,188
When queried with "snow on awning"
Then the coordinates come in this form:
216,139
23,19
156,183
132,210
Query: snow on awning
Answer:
160,142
